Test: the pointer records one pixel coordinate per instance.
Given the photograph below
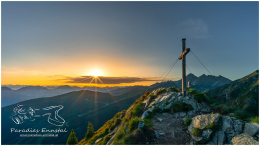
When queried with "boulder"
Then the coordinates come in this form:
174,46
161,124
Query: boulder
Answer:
202,121
227,124
205,136
182,114
244,139
190,113
218,138
251,128
238,126
176,115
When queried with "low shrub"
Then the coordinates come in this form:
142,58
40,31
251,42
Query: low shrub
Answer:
153,96
146,93
137,109
120,134
212,126
117,121
173,89
161,91
254,120
196,132
188,121
133,124
222,109
241,114
105,140
148,123
180,107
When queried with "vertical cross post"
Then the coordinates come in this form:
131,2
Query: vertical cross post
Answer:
183,68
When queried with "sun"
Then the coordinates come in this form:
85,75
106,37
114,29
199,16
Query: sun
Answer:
96,73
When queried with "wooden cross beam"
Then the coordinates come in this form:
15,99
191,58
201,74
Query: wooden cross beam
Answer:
184,53
182,57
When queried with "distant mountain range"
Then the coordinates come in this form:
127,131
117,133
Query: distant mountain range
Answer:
10,96
80,107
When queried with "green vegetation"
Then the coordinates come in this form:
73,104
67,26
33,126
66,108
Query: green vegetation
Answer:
240,97
212,126
254,119
133,124
180,107
173,89
242,114
200,96
104,130
90,131
137,109
143,97
188,121
148,123
223,109
72,139
104,140
163,90
196,132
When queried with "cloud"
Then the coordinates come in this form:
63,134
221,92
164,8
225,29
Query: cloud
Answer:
196,28
106,80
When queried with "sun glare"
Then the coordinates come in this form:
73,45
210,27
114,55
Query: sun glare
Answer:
96,73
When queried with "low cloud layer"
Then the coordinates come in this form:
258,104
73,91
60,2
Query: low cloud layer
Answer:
106,80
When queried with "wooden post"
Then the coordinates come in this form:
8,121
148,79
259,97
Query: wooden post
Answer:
183,68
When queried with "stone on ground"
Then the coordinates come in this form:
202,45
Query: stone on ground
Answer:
244,139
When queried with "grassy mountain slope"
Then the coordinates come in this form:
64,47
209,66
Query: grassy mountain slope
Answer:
240,94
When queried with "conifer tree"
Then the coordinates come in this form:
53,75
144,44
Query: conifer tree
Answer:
72,139
90,131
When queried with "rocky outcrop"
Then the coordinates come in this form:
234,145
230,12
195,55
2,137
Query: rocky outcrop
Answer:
200,124
244,139
231,127
203,121
218,138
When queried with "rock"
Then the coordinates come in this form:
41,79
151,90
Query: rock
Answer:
190,113
147,102
206,136
176,115
205,111
156,134
251,128
227,124
162,133
182,114
145,114
140,125
244,139
98,140
218,138
147,142
238,127
160,119
202,121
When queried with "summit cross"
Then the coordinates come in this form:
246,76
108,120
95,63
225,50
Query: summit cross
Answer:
182,57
